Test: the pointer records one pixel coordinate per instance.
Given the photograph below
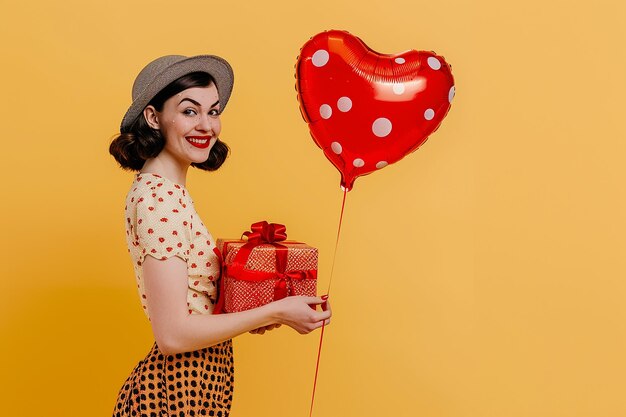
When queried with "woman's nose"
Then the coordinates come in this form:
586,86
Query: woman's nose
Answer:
205,123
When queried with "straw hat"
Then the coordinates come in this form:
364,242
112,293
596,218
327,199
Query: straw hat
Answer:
162,71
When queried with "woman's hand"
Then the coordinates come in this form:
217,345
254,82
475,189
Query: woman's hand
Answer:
262,330
298,312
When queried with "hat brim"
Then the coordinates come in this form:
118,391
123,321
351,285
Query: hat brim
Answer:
218,68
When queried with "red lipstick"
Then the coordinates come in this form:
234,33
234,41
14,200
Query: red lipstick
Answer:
201,142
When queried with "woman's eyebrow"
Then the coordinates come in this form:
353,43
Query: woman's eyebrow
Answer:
193,101
196,103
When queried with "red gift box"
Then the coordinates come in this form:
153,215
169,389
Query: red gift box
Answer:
264,268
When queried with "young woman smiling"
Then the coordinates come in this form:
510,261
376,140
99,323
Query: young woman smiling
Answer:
172,124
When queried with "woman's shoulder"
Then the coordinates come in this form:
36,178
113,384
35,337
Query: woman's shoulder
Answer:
148,186
158,214
154,194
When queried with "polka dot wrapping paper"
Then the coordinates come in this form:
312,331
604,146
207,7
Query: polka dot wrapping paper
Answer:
260,279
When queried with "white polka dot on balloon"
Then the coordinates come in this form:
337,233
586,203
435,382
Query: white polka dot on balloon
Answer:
429,114
326,111
381,164
434,63
358,162
381,127
336,147
398,89
320,58
400,60
451,94
344,104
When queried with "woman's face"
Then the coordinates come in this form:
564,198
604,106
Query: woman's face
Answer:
189,122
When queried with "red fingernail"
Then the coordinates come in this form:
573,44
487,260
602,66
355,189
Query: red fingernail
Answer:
324,297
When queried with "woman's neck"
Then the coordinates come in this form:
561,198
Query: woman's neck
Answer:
168,168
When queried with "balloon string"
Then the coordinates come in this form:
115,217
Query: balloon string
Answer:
317,367
319,349
332,268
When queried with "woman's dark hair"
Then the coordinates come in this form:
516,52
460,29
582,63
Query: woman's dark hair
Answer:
132,147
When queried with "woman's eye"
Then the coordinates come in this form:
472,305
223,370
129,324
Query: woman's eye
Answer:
214,112
189,112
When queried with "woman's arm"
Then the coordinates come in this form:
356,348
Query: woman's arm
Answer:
176,331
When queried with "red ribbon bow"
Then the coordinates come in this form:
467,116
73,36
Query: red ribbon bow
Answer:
264,232
281,290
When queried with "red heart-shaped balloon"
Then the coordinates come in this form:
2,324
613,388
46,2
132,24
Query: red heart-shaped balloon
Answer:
367,110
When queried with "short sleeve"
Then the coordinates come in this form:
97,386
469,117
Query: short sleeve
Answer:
163,224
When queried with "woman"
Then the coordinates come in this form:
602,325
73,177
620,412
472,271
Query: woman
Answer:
174,123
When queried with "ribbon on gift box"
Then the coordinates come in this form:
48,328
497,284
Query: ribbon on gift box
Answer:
282,287
262,233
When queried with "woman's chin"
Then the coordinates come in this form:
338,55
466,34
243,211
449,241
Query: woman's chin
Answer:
200,157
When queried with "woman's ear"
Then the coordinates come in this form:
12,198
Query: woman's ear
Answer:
150,114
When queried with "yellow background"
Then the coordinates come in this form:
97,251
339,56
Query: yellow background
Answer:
482,276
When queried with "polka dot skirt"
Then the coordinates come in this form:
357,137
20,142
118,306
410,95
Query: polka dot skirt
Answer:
198,383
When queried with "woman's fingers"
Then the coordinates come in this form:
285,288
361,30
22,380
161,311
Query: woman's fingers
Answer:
262,330
301,314
312,300
319,318
326,312
322,316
